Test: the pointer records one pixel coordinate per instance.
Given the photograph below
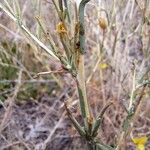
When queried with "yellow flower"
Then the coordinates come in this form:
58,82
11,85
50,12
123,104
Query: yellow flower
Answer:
140,142
60,28
103,65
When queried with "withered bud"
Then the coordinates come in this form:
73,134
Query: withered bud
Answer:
77,28
103,23
60,28
90,120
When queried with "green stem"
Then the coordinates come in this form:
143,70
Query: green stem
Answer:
82,28
61,5
82,88
81,70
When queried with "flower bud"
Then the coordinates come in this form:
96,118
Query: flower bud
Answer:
103,23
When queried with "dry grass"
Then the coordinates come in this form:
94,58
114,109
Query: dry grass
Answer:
32,112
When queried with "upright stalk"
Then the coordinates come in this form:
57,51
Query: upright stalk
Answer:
81,70
82,28
82,88
81,79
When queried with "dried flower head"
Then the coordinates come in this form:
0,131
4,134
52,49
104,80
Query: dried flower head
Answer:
60,28
103,23
90,120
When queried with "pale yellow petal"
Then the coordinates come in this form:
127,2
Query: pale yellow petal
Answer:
141,140
141,147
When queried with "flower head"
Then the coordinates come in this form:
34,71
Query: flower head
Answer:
60,28
140,142
103,66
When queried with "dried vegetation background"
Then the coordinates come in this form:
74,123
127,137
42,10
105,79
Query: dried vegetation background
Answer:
32,115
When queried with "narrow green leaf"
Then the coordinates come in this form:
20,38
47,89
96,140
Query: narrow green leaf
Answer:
75,122
104,146
96,126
